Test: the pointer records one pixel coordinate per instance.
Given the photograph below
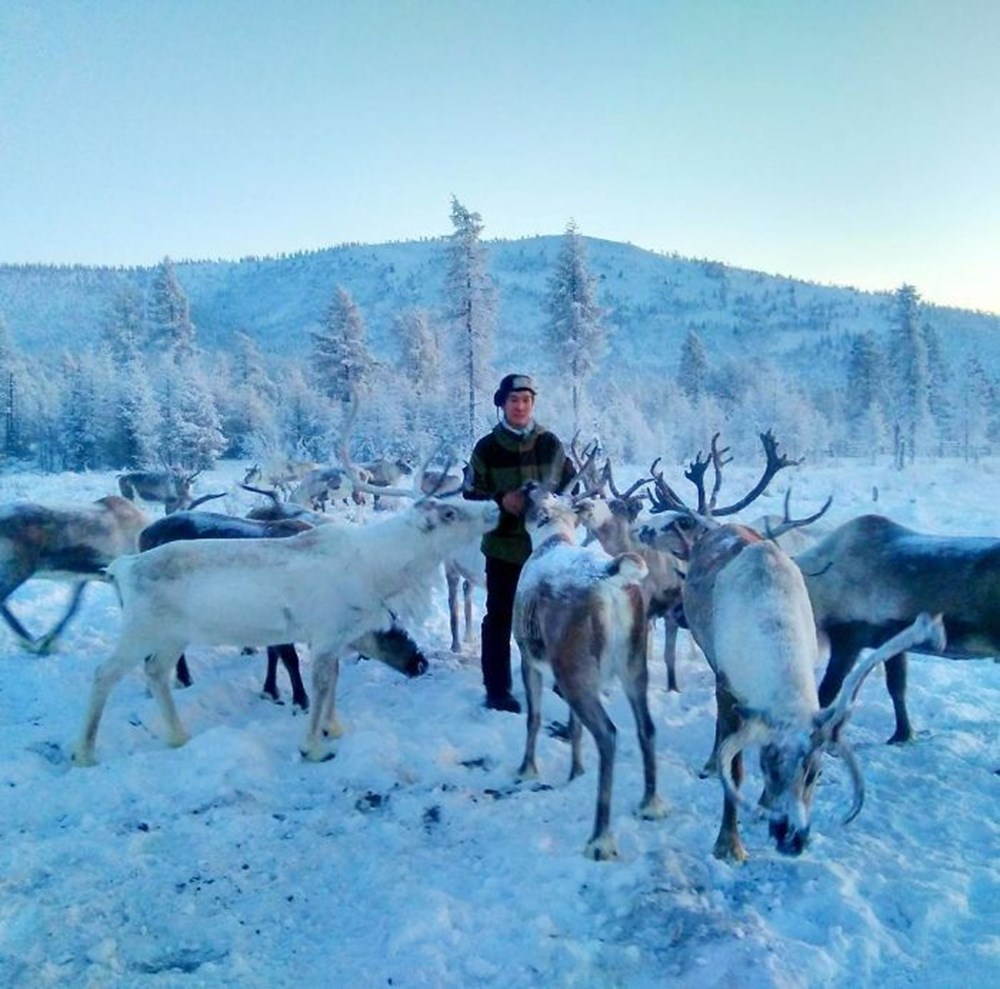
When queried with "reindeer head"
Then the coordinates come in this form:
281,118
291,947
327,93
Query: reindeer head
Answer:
791,755
790,762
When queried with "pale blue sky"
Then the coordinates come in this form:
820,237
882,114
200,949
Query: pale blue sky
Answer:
844,142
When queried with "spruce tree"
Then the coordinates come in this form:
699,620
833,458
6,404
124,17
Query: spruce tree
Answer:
171,331
692,369
909,376
574,328
341,363
471,306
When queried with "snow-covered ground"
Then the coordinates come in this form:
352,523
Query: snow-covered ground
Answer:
413,858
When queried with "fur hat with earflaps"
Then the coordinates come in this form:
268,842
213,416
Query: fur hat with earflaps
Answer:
510,383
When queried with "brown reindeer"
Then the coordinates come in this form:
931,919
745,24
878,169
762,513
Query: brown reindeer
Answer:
67,543
582,615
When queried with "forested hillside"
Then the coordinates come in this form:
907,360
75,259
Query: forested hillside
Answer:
190,360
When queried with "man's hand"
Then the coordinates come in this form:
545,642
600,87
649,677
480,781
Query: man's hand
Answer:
513,502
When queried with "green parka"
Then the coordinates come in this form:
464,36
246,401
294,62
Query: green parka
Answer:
503,461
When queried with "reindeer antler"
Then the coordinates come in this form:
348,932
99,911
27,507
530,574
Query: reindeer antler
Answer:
696,474
663,497
607,476
787,523
775,462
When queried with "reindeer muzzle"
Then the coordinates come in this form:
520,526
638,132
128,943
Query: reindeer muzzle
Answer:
788,839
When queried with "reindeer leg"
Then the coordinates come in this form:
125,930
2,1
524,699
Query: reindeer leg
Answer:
27,640
601,846
467,604
670,652
290,660
45,643
636,684
452,580
728,845
846,641
711,767
158,668
326,666
105,677
14,575
184,677
532,680
895,681
575,731
270,688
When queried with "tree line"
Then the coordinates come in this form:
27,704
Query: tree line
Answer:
148,394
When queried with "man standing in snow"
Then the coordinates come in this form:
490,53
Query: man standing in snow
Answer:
515,451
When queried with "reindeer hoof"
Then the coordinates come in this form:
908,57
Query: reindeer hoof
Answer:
732,852
653,809
83,758
601,849
318,753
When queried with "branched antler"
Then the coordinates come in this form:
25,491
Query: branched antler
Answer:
663,497
787,523
775,461
696,474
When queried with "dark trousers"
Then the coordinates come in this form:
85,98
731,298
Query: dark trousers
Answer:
501,583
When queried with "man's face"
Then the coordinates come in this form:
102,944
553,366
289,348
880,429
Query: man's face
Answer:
518,407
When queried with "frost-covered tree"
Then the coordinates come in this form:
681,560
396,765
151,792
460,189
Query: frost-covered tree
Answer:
909,378
170,330
574,324
939,378
975,408
471,306
305,418
123,326
421,372
191,432
692,369
248,404
865,392
137,417
12,379
341,362
80,428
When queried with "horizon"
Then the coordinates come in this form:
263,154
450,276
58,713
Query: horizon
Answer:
853,147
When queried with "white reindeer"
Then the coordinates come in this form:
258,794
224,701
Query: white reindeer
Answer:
324,587
581,614
748,609
746,604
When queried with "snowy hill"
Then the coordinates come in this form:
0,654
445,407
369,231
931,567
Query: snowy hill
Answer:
652,300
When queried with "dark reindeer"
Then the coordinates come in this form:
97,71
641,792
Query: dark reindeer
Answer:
871,577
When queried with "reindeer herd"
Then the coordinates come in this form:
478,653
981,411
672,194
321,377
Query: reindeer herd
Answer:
763,601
